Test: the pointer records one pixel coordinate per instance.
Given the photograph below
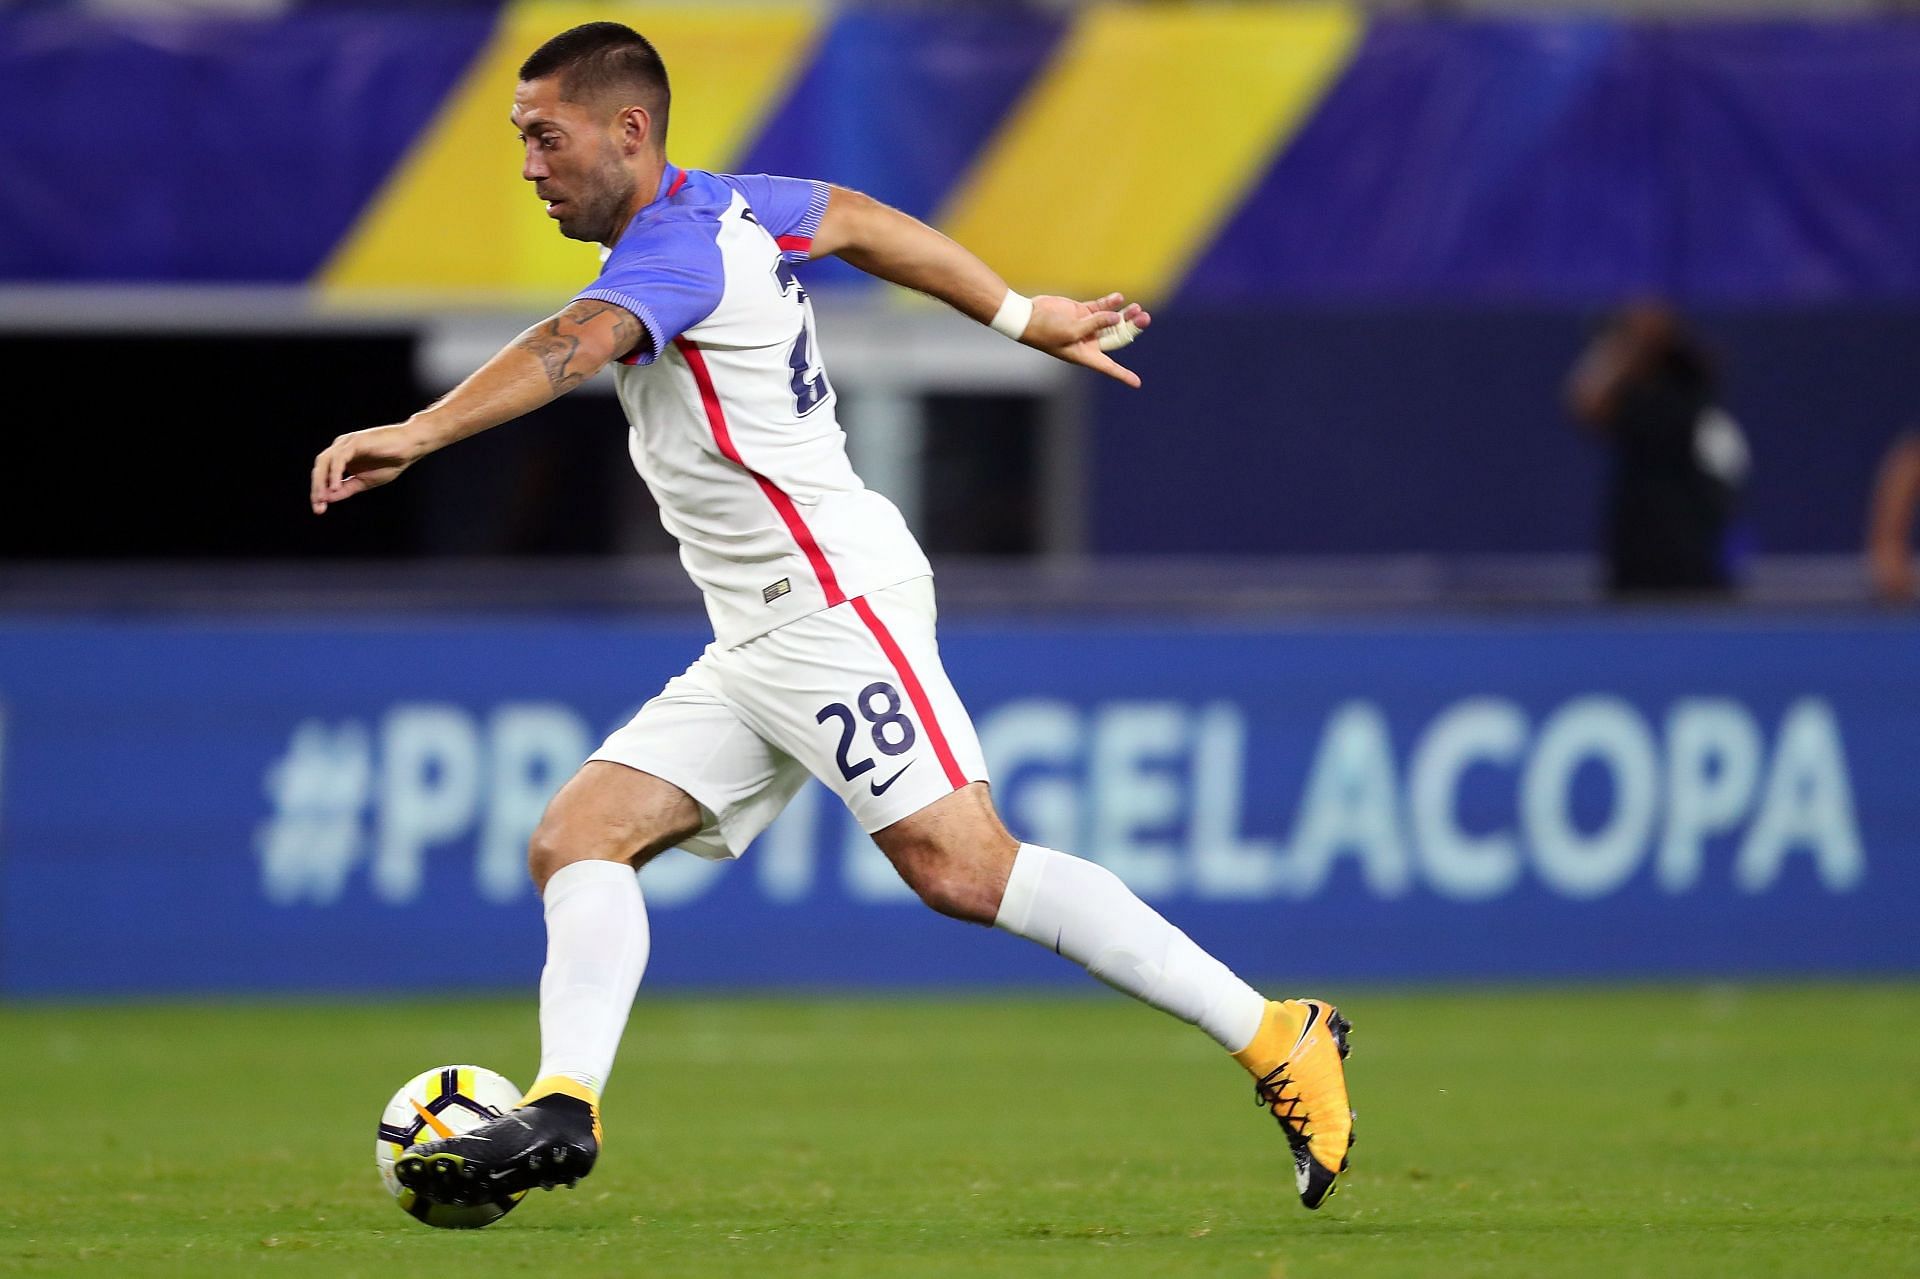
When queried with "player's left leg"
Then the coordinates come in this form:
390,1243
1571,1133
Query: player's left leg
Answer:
858,694
960,859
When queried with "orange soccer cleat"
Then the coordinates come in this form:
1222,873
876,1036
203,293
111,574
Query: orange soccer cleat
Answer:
1297,1062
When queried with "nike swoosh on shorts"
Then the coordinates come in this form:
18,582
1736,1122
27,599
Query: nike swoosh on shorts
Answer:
880,788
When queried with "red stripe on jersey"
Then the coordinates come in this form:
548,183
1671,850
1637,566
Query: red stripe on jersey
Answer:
789,513
915,694
679,180
794,243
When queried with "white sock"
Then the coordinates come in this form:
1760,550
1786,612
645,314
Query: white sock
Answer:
1082,911
597,945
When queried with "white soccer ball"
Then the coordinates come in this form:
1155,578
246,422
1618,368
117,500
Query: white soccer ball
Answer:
437,1103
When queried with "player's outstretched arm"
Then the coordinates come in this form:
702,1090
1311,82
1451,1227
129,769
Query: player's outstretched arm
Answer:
901,249
539,366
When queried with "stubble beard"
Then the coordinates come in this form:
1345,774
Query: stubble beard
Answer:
598,217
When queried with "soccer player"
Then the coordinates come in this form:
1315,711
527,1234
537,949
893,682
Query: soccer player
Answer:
824,661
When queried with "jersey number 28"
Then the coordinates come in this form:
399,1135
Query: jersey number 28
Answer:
809,381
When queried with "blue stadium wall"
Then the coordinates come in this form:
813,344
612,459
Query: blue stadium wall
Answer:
1440,429
1375,243
262,805
1304,152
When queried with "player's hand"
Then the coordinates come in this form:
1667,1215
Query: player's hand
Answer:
360,461
1070,330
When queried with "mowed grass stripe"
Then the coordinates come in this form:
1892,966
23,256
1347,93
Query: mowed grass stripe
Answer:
1647,1131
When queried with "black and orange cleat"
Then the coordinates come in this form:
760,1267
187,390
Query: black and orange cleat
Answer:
1297,1060
551,1139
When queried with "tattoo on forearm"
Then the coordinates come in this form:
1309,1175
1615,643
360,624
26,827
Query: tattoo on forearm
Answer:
556,342
555,347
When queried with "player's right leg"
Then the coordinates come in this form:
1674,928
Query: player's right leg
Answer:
605,823
685,772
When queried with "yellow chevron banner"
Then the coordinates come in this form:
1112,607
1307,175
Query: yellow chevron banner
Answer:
456,219
1142,138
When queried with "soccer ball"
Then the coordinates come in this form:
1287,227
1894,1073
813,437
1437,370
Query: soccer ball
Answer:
440,1103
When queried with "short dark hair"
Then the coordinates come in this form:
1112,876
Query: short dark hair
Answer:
598,59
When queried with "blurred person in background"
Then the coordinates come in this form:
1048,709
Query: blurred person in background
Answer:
1890,522
1649,389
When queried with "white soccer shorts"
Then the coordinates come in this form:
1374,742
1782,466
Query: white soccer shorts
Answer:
854,694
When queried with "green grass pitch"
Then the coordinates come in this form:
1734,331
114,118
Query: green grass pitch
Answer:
1657,1131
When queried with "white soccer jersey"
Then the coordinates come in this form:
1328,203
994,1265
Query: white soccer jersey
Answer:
732,416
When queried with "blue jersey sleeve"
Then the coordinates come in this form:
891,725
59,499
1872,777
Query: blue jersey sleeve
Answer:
671,281
789,208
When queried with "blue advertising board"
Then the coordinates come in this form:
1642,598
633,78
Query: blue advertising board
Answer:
252,804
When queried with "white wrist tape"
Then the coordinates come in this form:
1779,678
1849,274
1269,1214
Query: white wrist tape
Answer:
1115,336
1012,317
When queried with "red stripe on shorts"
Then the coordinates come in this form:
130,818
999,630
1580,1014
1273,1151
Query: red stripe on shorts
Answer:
915,694
789,513
829,584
